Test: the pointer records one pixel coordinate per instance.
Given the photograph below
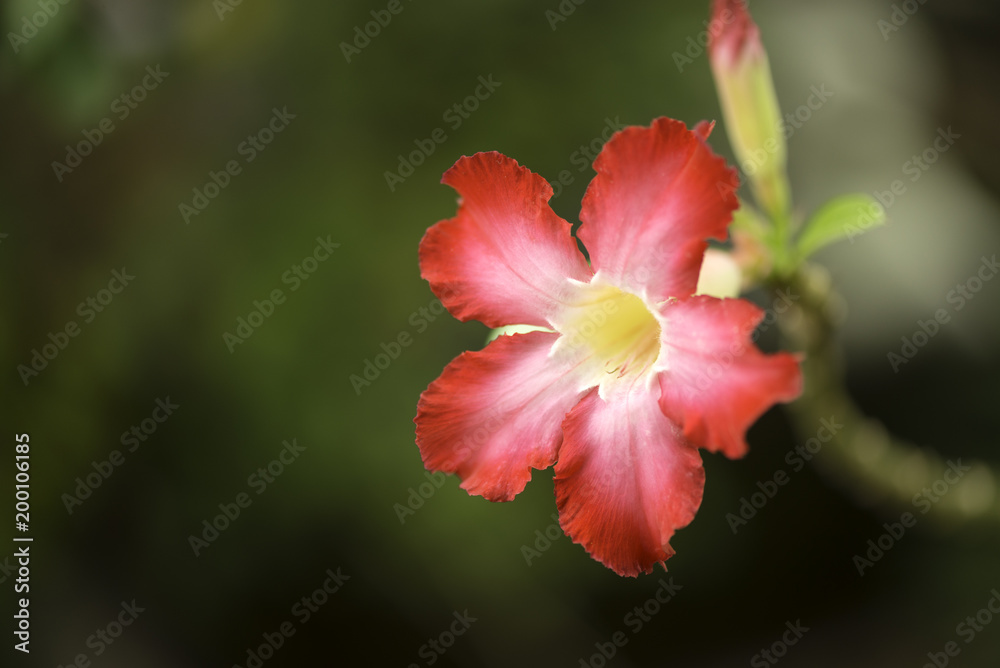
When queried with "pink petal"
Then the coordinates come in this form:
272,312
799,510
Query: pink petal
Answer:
626,479
505,257
659,193
717,383
733,36
495,414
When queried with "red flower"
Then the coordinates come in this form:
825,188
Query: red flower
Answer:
633,372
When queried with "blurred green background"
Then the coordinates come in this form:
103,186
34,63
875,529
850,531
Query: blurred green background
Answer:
323,175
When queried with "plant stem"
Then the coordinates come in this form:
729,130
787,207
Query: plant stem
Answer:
863,457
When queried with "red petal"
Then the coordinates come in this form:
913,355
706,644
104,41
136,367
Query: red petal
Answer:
659,193
717,383
626,479
495,414
504,259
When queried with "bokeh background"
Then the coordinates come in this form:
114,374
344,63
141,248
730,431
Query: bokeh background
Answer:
323,176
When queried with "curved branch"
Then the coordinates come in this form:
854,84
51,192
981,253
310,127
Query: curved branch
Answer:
863,457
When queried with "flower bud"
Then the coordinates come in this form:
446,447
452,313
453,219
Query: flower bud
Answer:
749,104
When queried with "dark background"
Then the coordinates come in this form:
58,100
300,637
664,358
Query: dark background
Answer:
323,175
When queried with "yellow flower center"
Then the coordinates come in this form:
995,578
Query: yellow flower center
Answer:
613,327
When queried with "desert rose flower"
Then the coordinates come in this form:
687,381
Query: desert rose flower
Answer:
630,372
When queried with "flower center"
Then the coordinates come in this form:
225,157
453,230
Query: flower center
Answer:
617,328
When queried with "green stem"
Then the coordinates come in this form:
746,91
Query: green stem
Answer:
773,195
862,456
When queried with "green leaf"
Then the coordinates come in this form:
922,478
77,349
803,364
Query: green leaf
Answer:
847,216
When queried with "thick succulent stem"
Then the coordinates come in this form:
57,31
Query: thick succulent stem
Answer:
863,457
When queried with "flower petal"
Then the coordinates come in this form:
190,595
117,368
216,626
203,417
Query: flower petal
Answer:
626,479
505,257
495,414
659,193
716,382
